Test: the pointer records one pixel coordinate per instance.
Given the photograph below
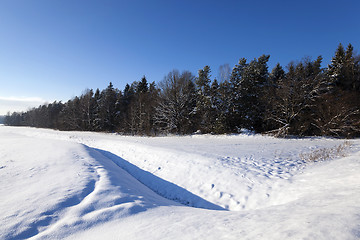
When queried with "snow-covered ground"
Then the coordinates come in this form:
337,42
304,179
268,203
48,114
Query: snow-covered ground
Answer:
78,185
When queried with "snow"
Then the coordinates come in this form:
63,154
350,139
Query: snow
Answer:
80,185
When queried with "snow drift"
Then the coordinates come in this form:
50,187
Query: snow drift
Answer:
76,185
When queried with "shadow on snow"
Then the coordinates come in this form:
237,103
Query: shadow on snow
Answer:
143,191
160,186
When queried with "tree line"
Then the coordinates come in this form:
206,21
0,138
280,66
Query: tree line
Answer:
303,99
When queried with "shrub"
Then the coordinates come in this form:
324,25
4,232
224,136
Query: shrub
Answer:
324,154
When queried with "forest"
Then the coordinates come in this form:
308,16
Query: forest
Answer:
302,99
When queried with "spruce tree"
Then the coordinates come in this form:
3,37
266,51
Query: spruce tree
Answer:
142,86
204,102
277,73
217,119
141,107
107,105
236,115
248,82
336,68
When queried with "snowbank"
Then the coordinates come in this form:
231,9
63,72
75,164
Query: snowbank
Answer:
89,185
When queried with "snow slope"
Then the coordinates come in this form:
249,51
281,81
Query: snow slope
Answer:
76,185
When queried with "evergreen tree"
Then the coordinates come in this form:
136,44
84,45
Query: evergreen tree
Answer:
236,115
107,106
250,89
203,81
277,74
336,68
142,87
204,102
127,103
344,68
54,110
96,123
152,103
119,111
217,114
352,69
141,107
70,116
87,109
302,101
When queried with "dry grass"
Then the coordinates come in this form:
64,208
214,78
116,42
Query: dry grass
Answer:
324,154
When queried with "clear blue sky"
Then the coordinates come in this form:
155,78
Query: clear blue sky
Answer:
54,49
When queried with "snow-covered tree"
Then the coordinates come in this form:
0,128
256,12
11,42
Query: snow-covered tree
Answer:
292,104
235,114
247,87
203,106
344,70
177,103
107,106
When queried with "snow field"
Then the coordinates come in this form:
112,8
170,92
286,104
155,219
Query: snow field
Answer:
229,172
97,186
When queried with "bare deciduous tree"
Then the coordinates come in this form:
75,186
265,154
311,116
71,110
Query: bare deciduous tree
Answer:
177,102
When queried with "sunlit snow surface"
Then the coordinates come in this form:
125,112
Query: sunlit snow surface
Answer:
57,185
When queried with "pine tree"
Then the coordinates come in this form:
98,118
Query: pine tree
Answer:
71,115
96,123
107,106
250,88
236,115
141,107
142,87
119,112
352,69
152,103
127,103
204,103
277,73
203,81
335,69
217,117
87,108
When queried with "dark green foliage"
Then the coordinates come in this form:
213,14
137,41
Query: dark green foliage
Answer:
291,101
304,100
277,74
255,78
236,115
107,109
142,87
204,106
248,81
203,81
344,69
